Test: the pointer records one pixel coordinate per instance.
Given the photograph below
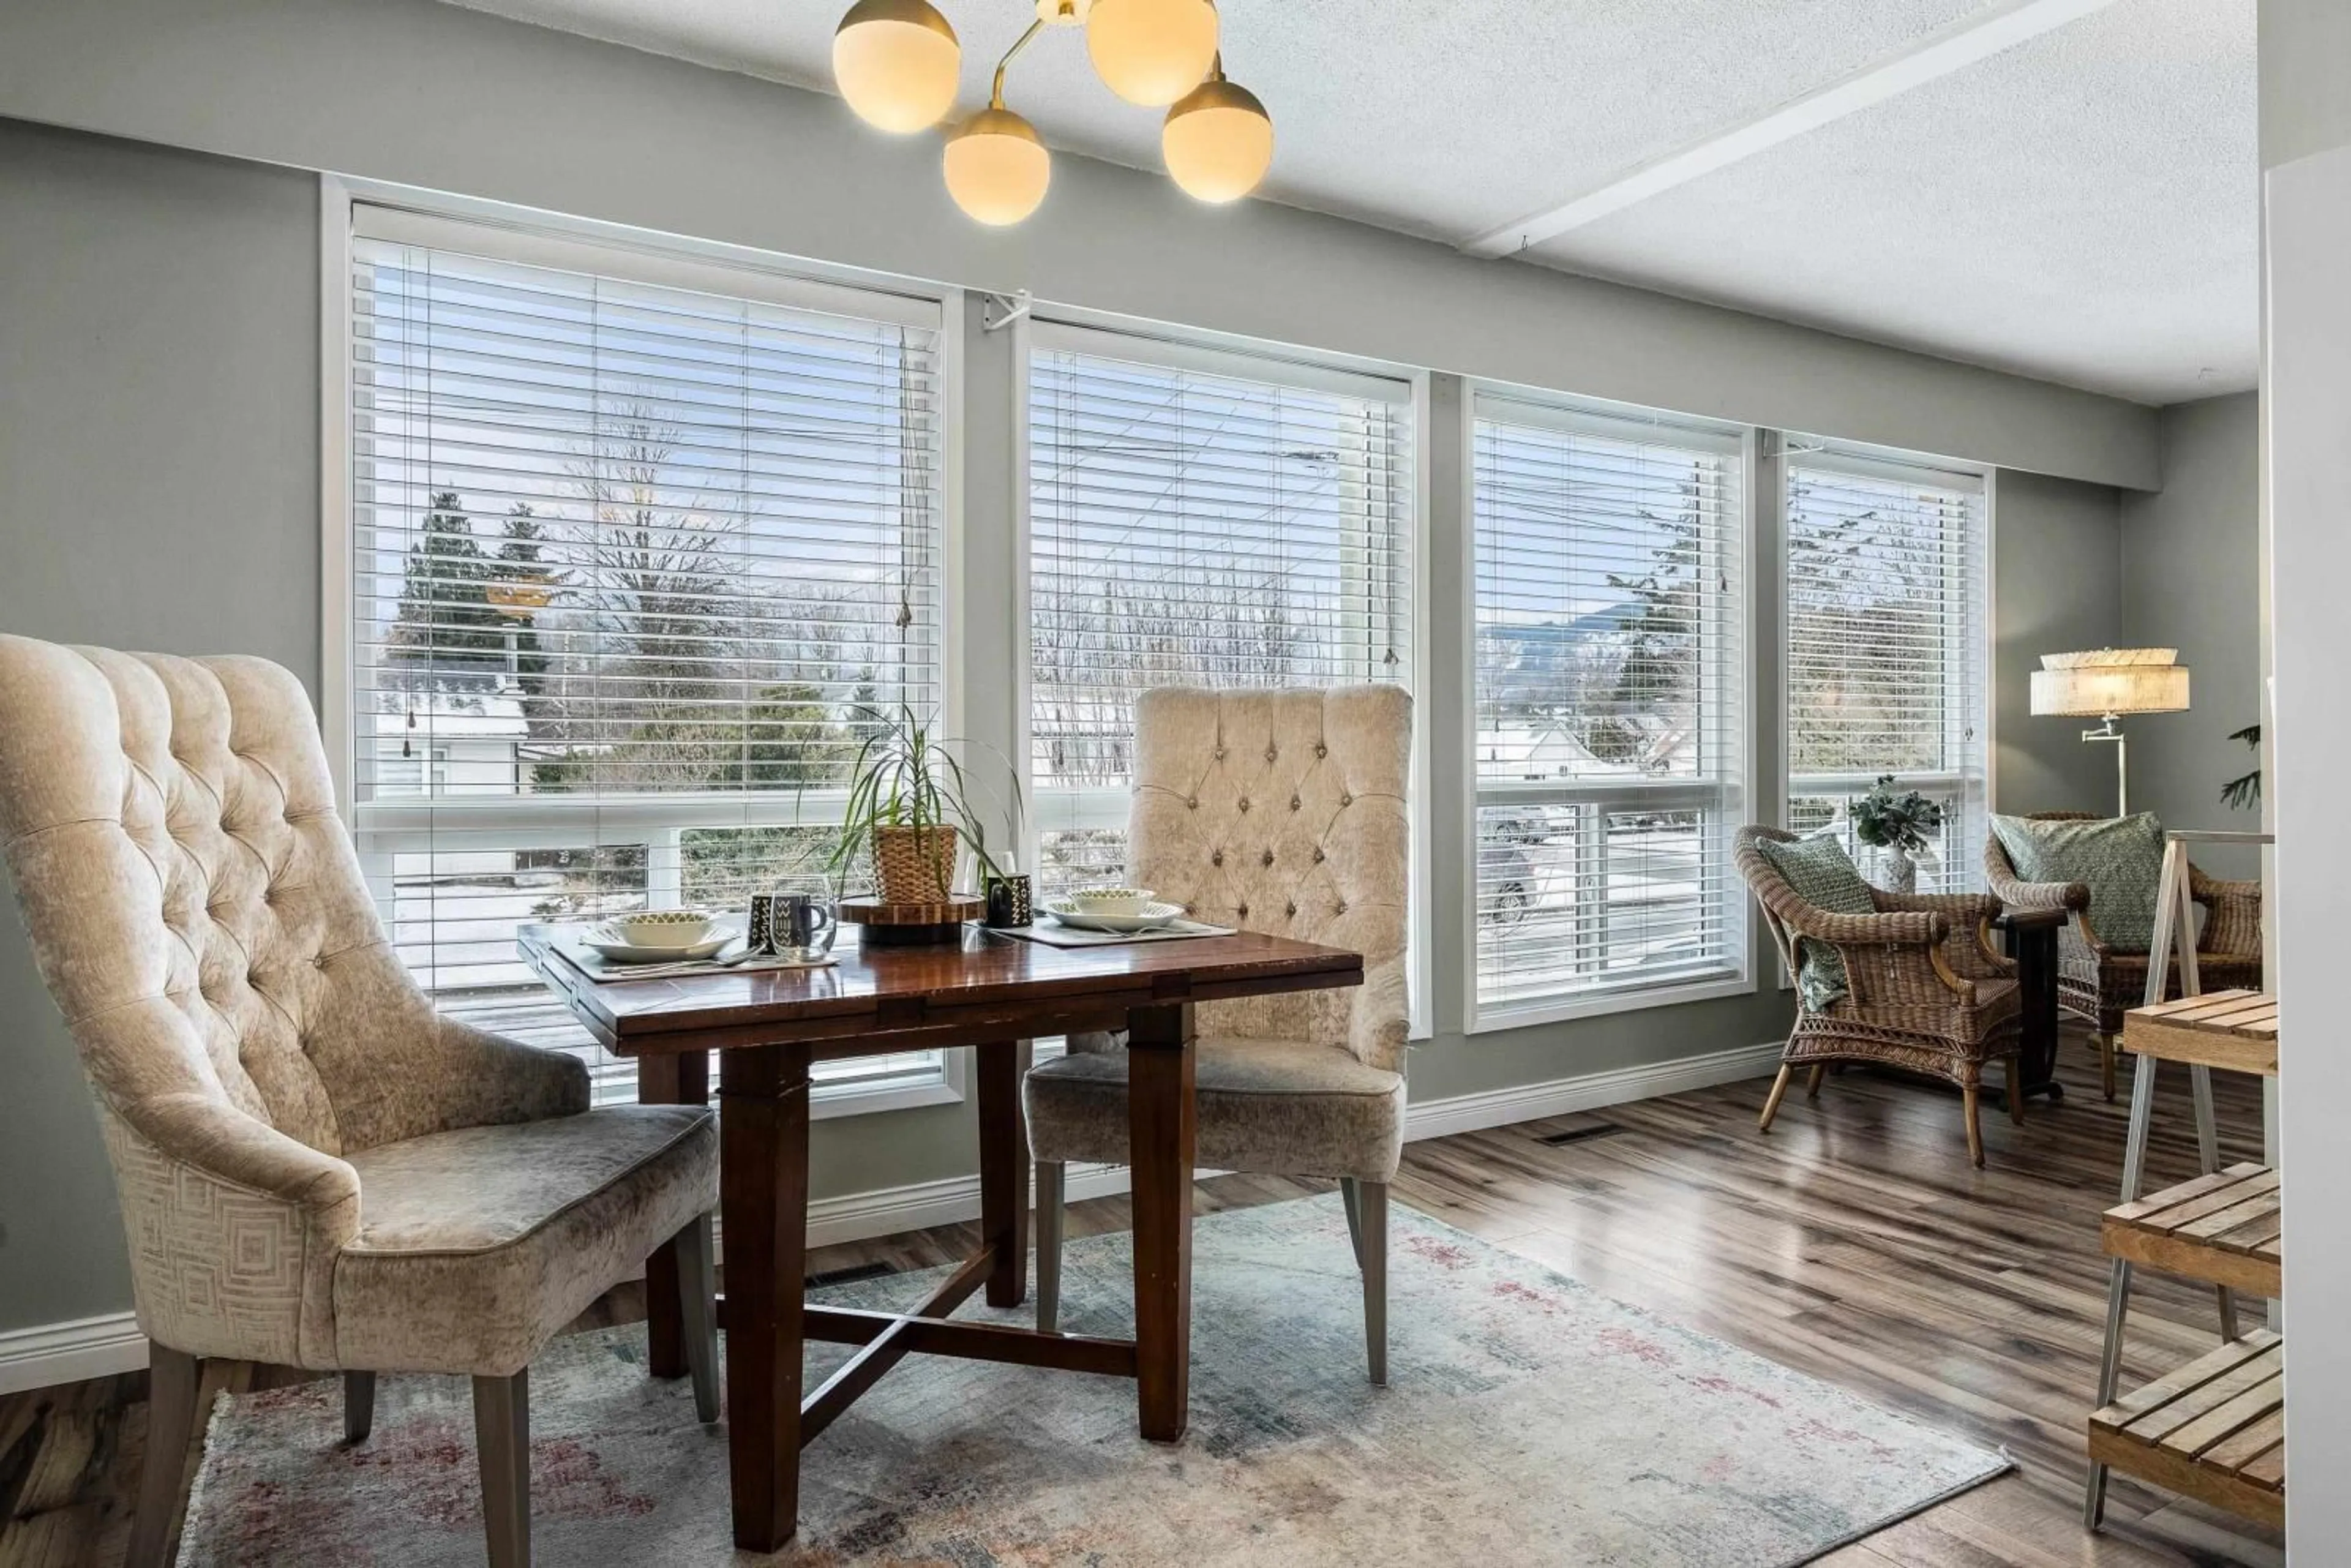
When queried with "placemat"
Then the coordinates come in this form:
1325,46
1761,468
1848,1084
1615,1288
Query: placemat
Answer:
1054,936
609,971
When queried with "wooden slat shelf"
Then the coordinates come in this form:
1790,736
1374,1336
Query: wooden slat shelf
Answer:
2236,1031
2222,1229
2213,1431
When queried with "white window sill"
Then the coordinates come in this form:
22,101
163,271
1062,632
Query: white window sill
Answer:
1599,1003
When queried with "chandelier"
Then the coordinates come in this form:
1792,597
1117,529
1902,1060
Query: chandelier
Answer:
898,63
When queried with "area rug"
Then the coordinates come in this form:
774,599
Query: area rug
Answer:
1527,1420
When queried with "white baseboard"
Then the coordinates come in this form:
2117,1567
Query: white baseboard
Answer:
52,1353
1586,1092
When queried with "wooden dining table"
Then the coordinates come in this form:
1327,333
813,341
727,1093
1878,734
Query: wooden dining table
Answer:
991,992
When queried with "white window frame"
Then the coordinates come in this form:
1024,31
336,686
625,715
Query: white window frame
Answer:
1073,327
1889,463
1573,413
511,233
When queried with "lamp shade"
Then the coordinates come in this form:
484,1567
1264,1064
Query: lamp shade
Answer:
997,169
1152,52
2110,681
897,62
1218,142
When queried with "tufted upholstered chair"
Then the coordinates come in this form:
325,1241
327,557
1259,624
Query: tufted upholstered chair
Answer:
1283,812
314,1170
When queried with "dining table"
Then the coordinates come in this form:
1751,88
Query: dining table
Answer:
996,994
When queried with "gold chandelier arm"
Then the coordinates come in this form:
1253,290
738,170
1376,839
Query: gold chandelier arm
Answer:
996,93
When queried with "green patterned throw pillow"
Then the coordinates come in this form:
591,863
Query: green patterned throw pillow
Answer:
2120,859
1824,877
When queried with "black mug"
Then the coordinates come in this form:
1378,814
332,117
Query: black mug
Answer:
1009,901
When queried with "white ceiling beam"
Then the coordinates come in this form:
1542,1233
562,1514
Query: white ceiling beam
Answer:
1950,48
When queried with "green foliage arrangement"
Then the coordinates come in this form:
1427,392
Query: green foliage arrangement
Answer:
1886,821
2243,793
905,776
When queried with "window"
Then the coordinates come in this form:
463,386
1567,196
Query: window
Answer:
1609,729
1196,517
1886,641
637,542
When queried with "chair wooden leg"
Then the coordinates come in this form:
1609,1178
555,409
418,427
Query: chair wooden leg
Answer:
2105,1065
502,1432
359,1407
1971,1096
172,1378
1812,1079
1779,1092
1052,1208
1351,1199
2016,1088
697,1285
1371,1198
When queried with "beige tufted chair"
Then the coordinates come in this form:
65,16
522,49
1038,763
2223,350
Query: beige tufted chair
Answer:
314,1170
1279,811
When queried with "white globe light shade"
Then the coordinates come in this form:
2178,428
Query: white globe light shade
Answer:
1152,52
897,62
997,170
1218,142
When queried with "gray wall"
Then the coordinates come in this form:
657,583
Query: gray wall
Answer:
158,488
2056,586
158,484
450,100
2191,562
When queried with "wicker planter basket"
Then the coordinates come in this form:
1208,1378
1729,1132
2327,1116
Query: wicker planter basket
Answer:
914,865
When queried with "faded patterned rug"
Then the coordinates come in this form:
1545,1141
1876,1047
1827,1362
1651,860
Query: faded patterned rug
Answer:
1528,1420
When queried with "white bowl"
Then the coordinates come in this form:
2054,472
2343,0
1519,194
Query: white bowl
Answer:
1119,900
663,928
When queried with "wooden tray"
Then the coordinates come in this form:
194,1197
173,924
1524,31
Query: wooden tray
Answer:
2234,1030
913,924
2214,1430
2222,1229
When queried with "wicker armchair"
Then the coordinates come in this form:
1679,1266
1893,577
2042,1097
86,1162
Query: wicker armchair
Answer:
1926,990
2097,983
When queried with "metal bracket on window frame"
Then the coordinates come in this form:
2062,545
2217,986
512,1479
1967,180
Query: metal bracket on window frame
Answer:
1014,308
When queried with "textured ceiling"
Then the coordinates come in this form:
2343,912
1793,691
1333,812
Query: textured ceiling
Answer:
2085,208
2080,208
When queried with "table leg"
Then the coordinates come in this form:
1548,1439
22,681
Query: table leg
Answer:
1004,1168
763,1096
1161,1138
683,1079
2034,949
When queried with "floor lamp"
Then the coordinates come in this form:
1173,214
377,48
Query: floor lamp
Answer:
2104,684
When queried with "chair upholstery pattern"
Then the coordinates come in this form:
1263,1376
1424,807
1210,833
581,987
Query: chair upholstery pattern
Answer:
1281,811
198,913
2097,981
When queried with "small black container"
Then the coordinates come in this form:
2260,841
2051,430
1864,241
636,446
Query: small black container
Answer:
1009,902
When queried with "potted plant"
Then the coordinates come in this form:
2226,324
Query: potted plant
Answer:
909,801
1898,824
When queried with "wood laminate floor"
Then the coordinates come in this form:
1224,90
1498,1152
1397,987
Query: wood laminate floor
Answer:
1854,1243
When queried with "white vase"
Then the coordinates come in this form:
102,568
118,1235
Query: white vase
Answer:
1900,873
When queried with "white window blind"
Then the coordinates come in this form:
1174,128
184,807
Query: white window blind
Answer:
1886,647
1609,723
637,545
1204,518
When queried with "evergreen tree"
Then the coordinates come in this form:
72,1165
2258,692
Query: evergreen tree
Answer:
1655,690
445,615
522,563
